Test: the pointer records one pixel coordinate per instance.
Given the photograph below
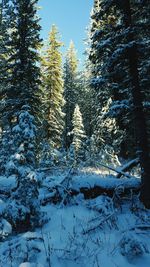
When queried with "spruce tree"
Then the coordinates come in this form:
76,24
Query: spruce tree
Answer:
121,40
20,105
24,70
22,73
110,87
53,100
5,53
23,207
70,91
132,51
100,93
24,138
5,26
79,137
84,100
2,46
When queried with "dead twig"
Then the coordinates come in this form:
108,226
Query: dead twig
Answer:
99,224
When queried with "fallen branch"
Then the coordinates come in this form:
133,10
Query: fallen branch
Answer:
137,227
51,168
120,172
93,188
98,225
128,166
61,191
5,193
65,182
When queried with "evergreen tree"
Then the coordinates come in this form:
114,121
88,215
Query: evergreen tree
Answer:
5,11
89,102
23,68
79,136
23,81
133,54
53,100
2,45
20,73
99,92
5,53
23,144
70,91
22,209
119,47
110,88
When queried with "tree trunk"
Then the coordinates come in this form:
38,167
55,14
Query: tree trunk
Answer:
140,121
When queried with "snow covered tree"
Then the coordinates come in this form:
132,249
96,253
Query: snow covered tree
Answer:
20,72
6,146
70,91
109,86
119,49
99,92
53,100
84,100
3,43
79,137
23,67
5,51
133,49
23,206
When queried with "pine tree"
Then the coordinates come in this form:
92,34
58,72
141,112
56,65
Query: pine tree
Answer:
20,72
79,136
53,101
2,45
138,97
22,164
109,86
23,144
3,74
24,70
84,100
120,46
99,92
21,100
5,53
91,102
5,10
70,91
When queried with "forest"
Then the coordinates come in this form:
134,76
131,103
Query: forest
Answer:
75,141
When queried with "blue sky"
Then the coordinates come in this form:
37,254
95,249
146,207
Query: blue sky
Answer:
70,16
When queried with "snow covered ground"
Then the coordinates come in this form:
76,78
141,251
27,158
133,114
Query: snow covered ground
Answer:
99,232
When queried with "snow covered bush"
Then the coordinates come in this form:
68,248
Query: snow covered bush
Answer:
131,247
22,250
5,226
23,209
